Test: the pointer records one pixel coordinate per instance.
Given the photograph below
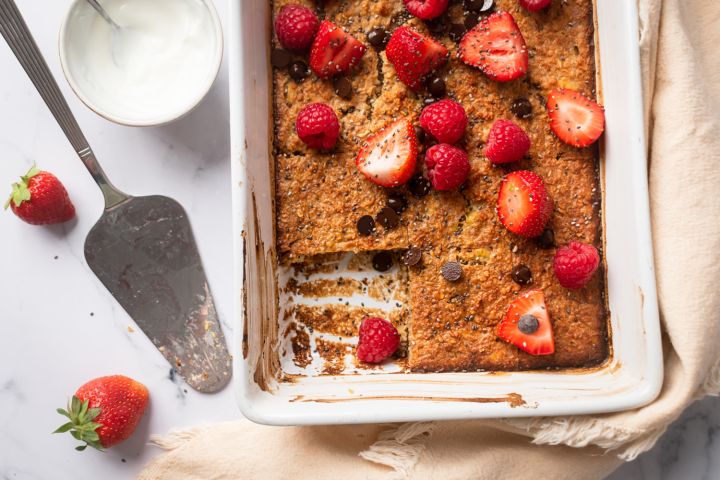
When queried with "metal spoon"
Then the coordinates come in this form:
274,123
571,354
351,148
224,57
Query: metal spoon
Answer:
142,248
96,5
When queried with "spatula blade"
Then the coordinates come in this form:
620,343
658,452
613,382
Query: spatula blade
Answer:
144,252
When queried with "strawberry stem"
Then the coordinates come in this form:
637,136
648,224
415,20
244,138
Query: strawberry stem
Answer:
20,192
81,425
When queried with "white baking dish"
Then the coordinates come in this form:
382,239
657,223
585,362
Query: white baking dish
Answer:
633,375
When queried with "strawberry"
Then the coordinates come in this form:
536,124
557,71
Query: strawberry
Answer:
496,46
105,411
523,204
414,56
40,199
574,118
388,157
334,51
527,324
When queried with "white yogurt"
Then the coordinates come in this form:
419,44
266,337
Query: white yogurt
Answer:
156,67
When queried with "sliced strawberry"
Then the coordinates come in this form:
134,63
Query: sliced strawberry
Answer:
414,56
496,46
523,204
527,324
575,119
334,51
388,157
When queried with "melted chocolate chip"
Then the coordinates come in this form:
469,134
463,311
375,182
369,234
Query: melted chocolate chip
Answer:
298,70
451,271
365,225
420,134
388,218
528,324
436,86
479,5
522,275
378,37
382,261
419,186
546,239
280,58
429,101
521,108
471,19
412,256
457,31
343,88
397,202
437,25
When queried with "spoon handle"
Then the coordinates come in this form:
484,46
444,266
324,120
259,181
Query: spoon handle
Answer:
22,44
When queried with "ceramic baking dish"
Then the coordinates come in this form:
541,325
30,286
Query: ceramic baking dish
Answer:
632,376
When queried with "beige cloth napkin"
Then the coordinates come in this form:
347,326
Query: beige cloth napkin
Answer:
681,68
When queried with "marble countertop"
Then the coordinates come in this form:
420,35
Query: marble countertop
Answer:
60,326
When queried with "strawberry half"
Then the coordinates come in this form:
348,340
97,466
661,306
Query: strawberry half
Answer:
334,51
523,205
414,56
496,46
574,118
527,324
388,157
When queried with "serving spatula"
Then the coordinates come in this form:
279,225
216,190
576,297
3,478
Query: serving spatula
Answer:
142,248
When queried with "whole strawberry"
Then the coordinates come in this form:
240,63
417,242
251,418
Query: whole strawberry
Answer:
40,199
105,411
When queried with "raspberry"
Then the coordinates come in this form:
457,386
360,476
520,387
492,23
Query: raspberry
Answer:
506,142
445,120
575,263
378,340
448,166
295,27
534,5
426,9
318,126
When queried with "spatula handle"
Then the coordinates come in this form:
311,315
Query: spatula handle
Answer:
22,44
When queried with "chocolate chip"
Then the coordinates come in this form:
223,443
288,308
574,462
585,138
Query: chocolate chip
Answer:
365,225
479,5
298,70
382,261
429,101
437,25
397,202
471,19
436,86
378,38
546,239
451,271
521,108
521,275
457,31
343,88
420,134
419,186
280,58
388,218
528,324
412,256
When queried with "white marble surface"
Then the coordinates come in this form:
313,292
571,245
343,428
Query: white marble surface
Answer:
60,327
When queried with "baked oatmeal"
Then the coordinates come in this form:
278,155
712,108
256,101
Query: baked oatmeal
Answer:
498,232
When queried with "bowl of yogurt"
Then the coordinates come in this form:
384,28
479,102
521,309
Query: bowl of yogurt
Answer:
154,66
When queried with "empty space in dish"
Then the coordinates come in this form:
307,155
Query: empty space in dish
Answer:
273,389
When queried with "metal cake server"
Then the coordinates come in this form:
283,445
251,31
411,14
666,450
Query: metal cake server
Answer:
142,248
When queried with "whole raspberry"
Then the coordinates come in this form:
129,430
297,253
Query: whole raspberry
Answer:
295,27
378,340
445,120
426,9
575,263
448,166
506,142
318,126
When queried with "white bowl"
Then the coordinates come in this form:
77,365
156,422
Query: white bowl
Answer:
112,105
